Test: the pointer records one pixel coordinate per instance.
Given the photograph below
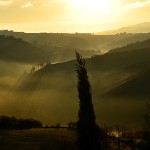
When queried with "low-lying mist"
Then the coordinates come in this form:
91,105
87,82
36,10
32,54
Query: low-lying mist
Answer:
53,98
48,92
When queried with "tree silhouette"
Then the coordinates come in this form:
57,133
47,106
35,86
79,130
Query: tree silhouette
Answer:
87,130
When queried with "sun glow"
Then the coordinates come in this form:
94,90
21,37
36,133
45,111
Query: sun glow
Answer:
94,7
91,3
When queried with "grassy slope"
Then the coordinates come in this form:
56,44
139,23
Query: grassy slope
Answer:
135,86
38,139
17,50
133,46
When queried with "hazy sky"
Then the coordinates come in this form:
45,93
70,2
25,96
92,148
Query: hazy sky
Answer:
71,15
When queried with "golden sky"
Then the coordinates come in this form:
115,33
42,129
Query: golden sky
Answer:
71,15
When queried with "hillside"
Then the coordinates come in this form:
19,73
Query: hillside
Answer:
135,86
17,50
138,28
133,46
133,38
58,54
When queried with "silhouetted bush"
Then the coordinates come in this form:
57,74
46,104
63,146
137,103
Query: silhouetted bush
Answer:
10,123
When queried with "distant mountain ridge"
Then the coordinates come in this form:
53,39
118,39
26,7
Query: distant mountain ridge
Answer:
138,28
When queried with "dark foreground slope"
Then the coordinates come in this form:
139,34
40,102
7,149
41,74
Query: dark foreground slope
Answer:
38,139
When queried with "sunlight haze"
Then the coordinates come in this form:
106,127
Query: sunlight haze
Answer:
71,15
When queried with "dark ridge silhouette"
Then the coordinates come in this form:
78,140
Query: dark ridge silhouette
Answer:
17,50
88,131
11,123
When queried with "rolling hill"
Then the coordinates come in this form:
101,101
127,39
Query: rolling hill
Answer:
135,86
17,50
138,28
133,46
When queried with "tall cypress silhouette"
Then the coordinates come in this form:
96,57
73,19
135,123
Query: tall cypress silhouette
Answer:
87,130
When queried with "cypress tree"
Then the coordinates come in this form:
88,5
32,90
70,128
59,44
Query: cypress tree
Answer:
87,130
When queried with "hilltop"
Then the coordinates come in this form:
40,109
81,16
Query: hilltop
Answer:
137,28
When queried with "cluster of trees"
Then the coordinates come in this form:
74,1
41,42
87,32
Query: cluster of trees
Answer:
11,123
37,67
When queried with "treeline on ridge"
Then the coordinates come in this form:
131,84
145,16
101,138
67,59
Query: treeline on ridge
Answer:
11,123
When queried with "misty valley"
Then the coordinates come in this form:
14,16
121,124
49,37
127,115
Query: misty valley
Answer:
38,79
